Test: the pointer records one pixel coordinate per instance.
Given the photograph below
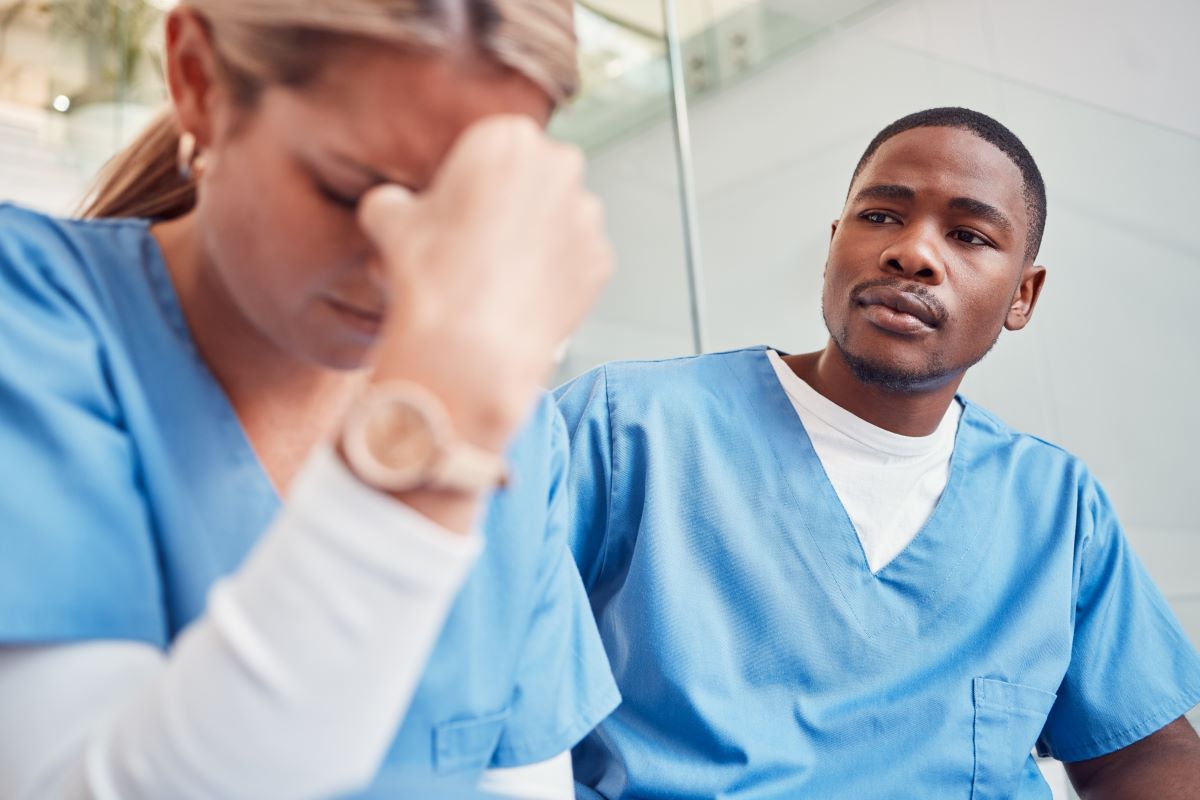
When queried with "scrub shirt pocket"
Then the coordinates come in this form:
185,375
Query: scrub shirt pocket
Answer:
1008,719
467,744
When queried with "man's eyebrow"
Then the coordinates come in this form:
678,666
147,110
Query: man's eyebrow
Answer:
982,210
886,191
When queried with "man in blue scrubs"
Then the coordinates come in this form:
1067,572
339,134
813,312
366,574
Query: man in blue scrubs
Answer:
829,575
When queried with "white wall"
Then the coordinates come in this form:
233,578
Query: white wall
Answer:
1102,93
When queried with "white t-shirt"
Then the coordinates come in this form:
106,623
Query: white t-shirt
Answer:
889,484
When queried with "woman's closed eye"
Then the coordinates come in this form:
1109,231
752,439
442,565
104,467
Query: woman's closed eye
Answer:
344,200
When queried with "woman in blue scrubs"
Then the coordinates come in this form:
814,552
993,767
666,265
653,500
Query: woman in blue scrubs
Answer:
828,575
281,511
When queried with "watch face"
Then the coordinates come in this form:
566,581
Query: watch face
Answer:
401,438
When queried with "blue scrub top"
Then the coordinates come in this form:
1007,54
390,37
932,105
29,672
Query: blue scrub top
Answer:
759,657
127,487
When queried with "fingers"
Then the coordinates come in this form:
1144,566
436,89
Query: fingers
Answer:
382,213
518,150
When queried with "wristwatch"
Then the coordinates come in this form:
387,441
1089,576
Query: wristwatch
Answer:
399,437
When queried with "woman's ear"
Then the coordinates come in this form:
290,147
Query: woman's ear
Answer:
191,66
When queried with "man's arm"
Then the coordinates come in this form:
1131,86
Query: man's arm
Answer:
1165,765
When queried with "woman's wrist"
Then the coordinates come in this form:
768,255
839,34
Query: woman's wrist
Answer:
487,396
457,512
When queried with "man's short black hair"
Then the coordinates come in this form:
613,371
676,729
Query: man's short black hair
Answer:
991,131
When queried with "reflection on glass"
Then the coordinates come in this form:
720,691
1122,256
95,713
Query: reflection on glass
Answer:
77,79
625,86
723,41
622,118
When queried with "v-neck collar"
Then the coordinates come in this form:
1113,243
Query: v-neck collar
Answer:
927,572
234,434
864,434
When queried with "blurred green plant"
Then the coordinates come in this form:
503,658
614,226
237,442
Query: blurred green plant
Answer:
10,13
114,35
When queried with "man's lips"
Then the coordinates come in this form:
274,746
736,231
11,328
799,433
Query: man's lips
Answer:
902,303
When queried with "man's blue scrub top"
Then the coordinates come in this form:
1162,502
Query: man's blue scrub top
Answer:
127,487
757,655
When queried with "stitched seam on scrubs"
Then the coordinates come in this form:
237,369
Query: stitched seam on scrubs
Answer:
1162,716
938,594
843,512
1087,503
538,750
612,455
85,318
157,275
781,397
657,361
78,228
107,222
229,427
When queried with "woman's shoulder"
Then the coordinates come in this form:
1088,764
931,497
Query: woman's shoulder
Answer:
27,238
66,268
62,248
20,223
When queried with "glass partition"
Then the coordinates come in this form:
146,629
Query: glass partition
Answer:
626,91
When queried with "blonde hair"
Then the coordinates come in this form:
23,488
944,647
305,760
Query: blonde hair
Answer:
261,43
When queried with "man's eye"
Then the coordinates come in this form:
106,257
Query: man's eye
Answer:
970,237
879,218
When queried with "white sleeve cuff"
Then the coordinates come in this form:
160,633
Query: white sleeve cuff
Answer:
327,495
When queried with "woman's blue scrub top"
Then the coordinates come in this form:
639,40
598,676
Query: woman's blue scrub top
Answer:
127,487
759,657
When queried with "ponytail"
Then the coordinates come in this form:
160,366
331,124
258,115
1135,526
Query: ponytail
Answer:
143,180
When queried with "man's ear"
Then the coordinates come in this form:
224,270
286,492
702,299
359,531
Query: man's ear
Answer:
832,229
1028,291
191,67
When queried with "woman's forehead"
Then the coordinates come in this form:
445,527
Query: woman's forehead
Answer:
402,112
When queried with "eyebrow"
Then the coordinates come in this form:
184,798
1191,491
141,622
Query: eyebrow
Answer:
886,191
978,208
364,170
982,210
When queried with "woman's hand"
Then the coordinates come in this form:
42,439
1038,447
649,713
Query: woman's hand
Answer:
488,272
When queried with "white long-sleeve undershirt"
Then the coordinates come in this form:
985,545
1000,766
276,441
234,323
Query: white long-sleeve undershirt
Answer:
291,685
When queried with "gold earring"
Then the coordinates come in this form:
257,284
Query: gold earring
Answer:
188,158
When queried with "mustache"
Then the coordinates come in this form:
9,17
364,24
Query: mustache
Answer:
908,287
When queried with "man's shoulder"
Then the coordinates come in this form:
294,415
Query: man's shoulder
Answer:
647,378
1029,448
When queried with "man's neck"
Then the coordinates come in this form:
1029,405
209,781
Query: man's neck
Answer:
915,413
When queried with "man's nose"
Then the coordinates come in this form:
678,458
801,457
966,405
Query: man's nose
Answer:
916,254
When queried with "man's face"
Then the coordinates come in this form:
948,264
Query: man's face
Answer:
927,262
